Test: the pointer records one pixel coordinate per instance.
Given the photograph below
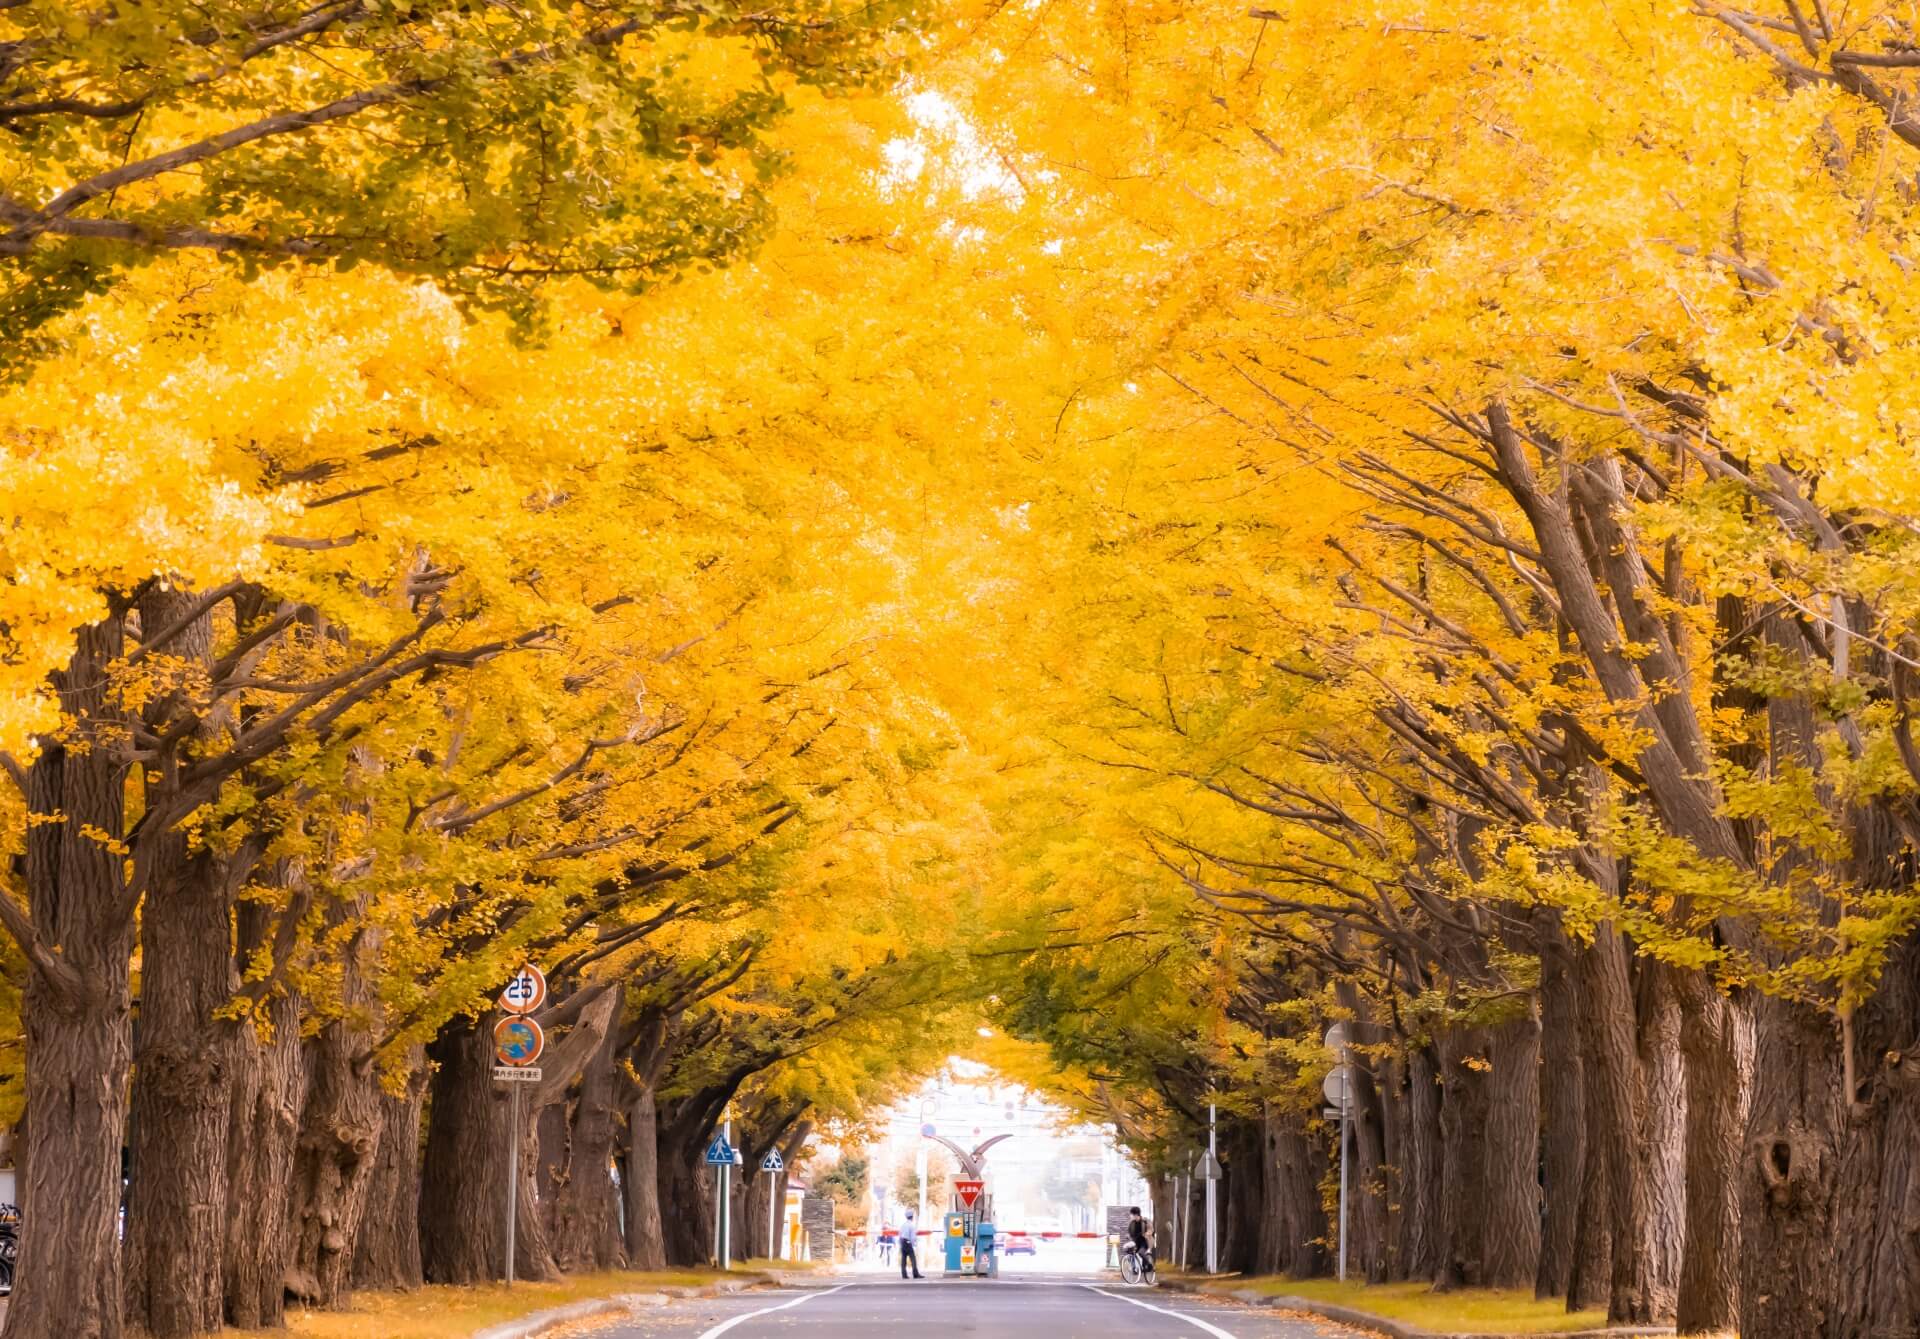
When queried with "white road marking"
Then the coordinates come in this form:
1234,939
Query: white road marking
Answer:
726,1325
1204,1327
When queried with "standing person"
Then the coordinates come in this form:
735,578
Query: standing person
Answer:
908,1255
886,1246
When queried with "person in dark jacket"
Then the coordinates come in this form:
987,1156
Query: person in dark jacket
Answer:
1137,1233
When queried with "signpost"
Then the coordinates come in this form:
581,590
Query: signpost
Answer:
968,1191
517,1044
1210,1169
722,1157
773,1164
1338,1087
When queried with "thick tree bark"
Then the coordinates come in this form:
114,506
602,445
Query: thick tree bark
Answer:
462,1237
1463,1125
1294,1207
1830,1205
1241,1154
1276,1233
1393,1102
1717,1041
646,1239
1510,1230
1424,1170
1616,1101
386,1254
183,1066
76,1009
339,1134
183,1053
1590,1282
1663,1129
580,1200
686,1201
1563,1127
268,1092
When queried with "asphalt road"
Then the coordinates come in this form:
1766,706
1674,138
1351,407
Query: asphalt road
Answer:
992,1309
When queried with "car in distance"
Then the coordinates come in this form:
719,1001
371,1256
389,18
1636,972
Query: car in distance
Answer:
1018,1243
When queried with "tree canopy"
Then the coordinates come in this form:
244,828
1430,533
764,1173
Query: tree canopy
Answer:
1160,527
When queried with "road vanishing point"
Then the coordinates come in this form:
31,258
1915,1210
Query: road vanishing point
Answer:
999,1309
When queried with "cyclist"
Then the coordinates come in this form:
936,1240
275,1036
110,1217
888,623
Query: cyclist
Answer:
1139,1242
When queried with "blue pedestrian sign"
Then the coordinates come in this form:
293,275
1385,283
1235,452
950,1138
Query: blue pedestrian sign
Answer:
720,1153
773,1162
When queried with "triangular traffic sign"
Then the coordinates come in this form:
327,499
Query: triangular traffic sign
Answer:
968,1191
720,1153
773,1162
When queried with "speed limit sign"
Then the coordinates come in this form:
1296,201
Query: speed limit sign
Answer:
526,991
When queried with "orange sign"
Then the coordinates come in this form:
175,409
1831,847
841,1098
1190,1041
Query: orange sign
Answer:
518,1041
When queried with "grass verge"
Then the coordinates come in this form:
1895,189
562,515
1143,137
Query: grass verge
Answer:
455,1313
1469,1311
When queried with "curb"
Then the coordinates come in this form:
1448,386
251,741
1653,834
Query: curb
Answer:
541,1322
1393,1329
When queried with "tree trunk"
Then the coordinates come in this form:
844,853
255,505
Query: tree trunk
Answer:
1275,1242
646,1240
686,1198
1877,1188
1367,1190
1563,1115
1616,1099
268,1092
1244,1185
1299,1213
1717,1041
686,1203
462,1237
333,1162
1463,1125
75,1009
386,1254
1424,1170
1590,1283
183,1053
580,1200
1510,1233
1663,1129
183,1066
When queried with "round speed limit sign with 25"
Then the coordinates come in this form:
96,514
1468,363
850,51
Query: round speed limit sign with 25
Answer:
526,991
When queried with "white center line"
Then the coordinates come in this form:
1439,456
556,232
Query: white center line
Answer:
726,1325
1198,1324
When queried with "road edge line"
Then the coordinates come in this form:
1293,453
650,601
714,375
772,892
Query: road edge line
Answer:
807,1296
1206,1327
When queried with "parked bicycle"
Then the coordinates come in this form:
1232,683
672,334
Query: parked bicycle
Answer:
9,1245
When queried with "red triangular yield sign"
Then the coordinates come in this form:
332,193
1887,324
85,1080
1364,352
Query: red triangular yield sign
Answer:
968,1191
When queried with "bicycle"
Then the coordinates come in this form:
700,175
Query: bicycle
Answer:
1136,1266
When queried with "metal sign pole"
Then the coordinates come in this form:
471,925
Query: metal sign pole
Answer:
1343,1180
773,1189
1213,1241
513,1173
726,1203
1174,1222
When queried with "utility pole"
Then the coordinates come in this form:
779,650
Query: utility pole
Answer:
1213,1158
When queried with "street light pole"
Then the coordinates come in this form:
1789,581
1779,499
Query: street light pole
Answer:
1213,1155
